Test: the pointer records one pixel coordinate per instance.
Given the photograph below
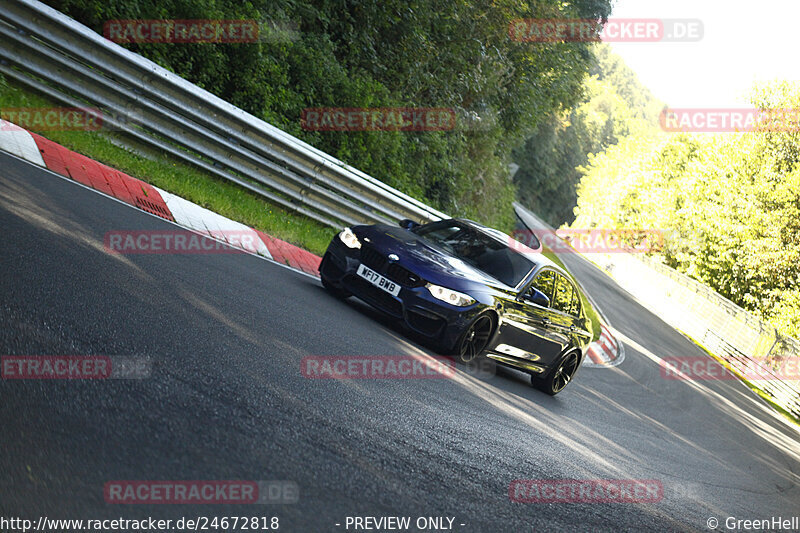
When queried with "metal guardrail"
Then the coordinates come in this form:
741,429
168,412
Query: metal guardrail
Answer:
159,111
740,338
731,333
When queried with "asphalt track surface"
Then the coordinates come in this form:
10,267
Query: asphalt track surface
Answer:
226,399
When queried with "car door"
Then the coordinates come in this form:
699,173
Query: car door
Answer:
565,316
525,331
555,324
561,324
581,326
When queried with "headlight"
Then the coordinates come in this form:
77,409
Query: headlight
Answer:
450,296
349,238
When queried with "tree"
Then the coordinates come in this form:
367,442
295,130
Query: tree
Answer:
363,53
728,203
614,105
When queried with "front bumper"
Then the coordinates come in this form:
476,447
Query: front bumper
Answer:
414,305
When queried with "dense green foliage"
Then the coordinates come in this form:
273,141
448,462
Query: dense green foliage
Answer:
614,105
367,53
729,204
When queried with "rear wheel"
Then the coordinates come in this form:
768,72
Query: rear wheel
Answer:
558,378
472,343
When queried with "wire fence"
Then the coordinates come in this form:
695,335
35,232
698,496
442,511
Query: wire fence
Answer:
751,347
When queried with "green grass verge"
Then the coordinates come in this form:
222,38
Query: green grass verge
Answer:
181,179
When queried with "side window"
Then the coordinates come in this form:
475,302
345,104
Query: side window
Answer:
545,282
575,309
563,296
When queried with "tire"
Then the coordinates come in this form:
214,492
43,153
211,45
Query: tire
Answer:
472,343
338,292
560,376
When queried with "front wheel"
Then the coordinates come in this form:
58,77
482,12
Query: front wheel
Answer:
472,343
557,379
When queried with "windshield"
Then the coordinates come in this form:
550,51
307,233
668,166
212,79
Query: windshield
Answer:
478,250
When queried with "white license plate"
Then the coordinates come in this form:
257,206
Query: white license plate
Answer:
379,281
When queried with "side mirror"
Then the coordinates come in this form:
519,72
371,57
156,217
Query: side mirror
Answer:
408,224
538,297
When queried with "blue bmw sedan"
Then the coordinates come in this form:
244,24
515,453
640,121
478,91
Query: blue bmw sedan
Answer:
471,291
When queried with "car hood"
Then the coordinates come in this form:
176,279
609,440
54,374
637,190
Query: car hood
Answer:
421,257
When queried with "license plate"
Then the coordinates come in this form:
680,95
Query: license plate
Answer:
379,281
